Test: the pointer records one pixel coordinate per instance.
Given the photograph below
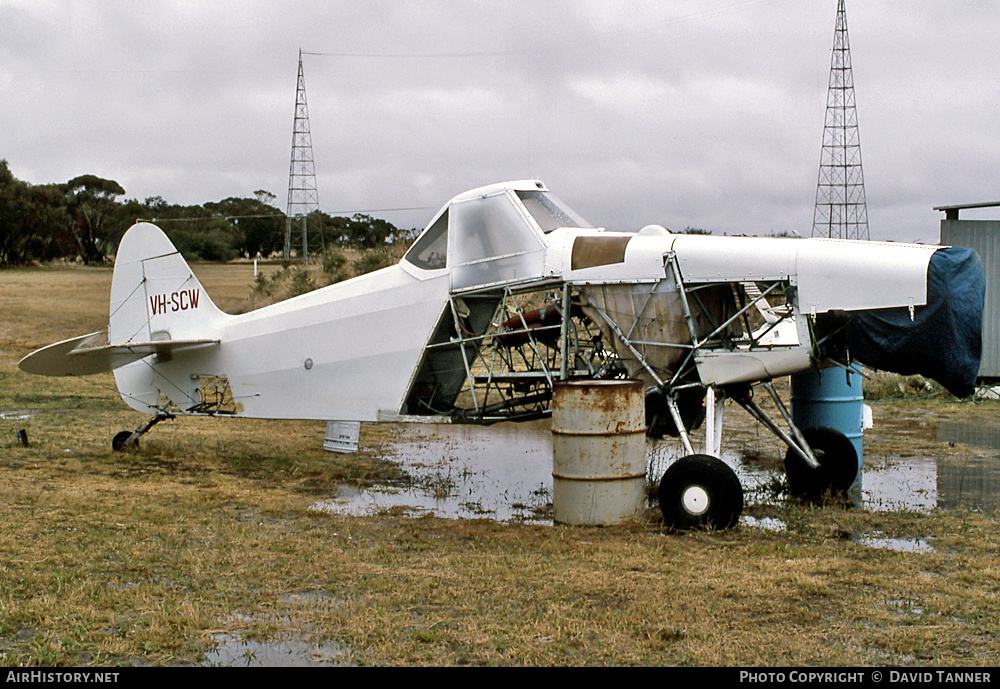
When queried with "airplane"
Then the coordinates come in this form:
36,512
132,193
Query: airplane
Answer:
504,294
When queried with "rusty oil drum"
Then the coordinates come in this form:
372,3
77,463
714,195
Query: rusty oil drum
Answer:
598,451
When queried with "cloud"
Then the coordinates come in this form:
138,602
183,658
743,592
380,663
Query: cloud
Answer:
680,113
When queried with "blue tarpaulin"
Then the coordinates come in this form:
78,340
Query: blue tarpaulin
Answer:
943,340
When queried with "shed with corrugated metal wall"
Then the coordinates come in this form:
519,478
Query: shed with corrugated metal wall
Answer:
984,237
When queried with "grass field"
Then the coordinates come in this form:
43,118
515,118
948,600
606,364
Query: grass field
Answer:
205,533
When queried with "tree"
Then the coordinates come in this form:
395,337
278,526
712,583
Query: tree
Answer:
32,220
361,230
265,197
84,217
10,218
258,229
91,210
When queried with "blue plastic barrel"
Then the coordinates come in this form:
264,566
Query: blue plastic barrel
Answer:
831,398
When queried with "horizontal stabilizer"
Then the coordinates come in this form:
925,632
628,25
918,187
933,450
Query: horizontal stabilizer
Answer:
72,358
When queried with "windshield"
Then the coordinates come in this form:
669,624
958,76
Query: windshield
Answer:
493,242
549,212
430,251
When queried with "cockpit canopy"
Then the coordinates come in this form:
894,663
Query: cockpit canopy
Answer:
493,234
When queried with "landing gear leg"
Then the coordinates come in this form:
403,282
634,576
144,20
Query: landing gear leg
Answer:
818,460
129,440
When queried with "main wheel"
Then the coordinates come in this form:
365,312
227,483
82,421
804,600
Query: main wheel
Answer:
838,464
700,491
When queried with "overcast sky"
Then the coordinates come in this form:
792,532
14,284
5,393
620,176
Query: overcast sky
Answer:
703,113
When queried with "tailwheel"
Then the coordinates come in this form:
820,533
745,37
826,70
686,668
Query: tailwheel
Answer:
838,464
120,442
129,440
700,491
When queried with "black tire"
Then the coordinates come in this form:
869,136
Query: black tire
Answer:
659,421
838,465
700,492
120,442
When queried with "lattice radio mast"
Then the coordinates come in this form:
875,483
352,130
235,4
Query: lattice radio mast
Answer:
303,195
841,210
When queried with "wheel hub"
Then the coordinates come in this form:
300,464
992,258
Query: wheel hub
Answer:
695,500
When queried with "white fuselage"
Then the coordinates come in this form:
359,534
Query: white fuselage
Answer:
352,351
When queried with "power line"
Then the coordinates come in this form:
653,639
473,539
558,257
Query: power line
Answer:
337,213
208,217
500,53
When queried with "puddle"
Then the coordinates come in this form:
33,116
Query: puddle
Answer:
902,545
763,523
286,650
461,471
232,651
15,415
504,472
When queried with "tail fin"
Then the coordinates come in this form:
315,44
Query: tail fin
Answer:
154,294
157,304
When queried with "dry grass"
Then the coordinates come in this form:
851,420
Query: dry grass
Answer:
145,557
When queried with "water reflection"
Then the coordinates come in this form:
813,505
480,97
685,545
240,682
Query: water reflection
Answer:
970,481
893,484
504,472
969,434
